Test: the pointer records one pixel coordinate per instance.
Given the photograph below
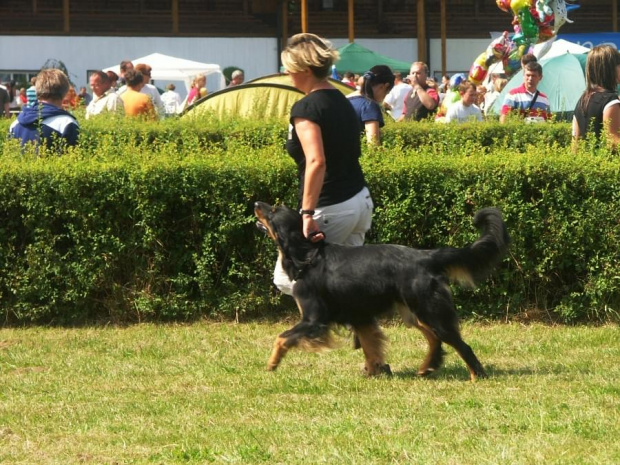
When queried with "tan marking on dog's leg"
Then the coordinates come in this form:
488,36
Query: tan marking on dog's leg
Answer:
277,354
434,344
301,310
372,340
409,319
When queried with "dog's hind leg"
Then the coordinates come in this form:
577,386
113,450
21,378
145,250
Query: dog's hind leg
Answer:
372,341
434,357
441,318
467,354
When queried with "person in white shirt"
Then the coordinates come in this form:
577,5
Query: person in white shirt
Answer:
172,100
465,109
150,90
105,99
395,99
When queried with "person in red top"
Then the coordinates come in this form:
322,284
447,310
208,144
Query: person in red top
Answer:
423,99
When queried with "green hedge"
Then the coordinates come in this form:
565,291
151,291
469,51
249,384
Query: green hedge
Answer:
155,222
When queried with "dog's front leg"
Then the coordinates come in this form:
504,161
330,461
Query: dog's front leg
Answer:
277,354
372,341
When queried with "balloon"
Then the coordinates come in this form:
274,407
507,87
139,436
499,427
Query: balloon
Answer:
456,80
497,49
452,96
512,63
542,12
504,5
478,70
528,26
534,21
545,33
518,5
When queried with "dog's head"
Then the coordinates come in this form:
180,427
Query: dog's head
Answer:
280,223
284,226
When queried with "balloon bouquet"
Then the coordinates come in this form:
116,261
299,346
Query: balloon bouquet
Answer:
534,22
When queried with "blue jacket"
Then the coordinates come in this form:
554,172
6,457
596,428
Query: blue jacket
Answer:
45,123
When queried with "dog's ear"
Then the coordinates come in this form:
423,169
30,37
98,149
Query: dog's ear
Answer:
287,225
289,234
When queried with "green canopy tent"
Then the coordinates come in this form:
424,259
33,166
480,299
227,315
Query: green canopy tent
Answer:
563,82
358,59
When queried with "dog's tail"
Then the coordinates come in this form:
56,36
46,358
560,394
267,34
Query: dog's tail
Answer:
473,263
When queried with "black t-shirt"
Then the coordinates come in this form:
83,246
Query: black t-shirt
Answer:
340,131
591,118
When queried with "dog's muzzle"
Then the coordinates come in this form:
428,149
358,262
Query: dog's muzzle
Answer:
261,227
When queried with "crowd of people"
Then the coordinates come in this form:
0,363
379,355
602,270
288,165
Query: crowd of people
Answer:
379,91
419,97
130,94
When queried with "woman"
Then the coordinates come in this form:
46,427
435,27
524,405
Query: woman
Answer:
599,107
198,90
71,100
367,101
136,103
324,141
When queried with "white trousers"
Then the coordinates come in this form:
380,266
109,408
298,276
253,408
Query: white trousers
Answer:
343,223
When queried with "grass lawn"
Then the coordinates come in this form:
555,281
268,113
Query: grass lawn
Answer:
200,394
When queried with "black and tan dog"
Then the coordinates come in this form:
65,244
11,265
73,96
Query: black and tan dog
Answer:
355,285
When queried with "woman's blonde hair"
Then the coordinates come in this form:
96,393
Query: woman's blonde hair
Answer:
198,78
309,51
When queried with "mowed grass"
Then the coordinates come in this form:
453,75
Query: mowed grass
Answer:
200,394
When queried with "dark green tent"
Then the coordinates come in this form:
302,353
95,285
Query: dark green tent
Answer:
358,59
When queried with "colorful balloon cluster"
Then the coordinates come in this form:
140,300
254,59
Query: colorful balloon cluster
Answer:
534,21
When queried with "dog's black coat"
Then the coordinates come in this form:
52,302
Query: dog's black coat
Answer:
355,285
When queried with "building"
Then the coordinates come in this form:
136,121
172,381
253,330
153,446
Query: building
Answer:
249,34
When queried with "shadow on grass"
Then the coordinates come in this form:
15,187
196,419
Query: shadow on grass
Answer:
461,373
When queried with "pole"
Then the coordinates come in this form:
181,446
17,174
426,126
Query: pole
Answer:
304,15
175,16
443,38
422,54
351,22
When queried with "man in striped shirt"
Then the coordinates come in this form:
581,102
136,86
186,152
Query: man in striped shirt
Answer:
526,99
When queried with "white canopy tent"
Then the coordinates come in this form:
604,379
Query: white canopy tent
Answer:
168,68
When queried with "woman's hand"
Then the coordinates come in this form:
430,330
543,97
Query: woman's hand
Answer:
311,229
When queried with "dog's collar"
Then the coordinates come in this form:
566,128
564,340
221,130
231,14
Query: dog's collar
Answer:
299,273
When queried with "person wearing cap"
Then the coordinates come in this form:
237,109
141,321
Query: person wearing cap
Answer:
236,78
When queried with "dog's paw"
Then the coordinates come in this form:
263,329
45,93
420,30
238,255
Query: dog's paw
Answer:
378,370
426,372
385,370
